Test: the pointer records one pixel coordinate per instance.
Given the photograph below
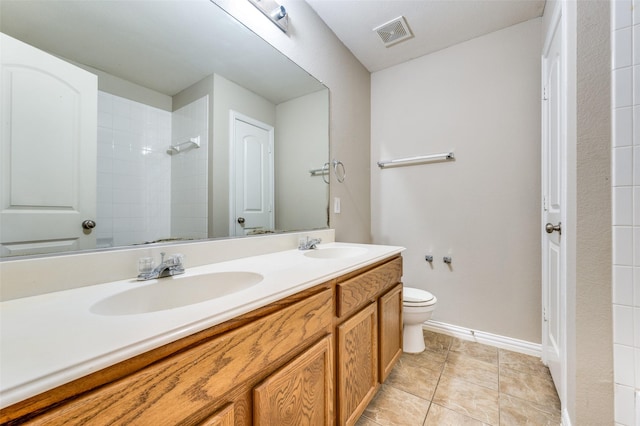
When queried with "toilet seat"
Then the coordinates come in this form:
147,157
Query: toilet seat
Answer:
414,297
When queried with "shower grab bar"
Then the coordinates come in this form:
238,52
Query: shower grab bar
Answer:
192,143
410,161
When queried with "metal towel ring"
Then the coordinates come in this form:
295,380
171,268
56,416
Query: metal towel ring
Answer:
339,176
325,167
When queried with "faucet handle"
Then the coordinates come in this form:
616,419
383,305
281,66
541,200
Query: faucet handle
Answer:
177,259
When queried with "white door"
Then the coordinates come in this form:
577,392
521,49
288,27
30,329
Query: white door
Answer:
554,190
47,152
252,176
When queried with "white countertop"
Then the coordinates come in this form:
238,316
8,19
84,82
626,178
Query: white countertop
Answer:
51,339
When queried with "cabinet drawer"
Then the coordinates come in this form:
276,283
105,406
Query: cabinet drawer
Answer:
364,288
193,380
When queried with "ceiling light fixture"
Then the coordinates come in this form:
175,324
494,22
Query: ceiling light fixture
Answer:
272,10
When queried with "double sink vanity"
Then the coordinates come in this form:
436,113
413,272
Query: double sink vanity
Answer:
289,337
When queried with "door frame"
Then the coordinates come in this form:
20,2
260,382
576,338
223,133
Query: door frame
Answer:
237,116
558,26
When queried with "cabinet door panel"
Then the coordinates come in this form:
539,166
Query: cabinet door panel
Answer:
224,417
301,393
390,342
357,364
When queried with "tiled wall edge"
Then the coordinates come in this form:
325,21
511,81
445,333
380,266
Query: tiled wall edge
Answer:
625,19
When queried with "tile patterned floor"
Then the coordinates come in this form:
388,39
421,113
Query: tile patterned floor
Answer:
457,382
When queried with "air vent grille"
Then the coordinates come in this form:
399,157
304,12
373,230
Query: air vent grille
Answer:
394,31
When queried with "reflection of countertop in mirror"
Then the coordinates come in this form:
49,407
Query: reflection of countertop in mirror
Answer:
51,339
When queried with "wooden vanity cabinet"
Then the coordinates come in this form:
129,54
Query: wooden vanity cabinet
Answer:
357,366
224,417
314,358
390,324
300,393
191,385
368,335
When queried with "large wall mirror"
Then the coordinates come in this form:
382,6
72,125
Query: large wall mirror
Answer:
136,122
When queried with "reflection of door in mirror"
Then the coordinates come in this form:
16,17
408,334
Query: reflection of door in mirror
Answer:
252,176
146,75
62,99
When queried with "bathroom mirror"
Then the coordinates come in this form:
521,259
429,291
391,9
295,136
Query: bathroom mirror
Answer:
193,127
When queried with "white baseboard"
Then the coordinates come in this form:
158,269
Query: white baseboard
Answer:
515,345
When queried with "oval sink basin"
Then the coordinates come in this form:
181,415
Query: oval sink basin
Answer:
335,252
175,292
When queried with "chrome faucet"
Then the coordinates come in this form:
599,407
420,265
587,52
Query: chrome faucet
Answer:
308,244
167,268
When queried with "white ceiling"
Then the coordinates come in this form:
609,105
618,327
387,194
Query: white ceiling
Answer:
164,45
436,24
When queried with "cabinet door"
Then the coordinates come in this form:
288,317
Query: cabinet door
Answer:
357,364
224,417
300,393
390,342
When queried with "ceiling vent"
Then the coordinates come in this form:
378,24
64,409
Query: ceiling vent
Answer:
394,31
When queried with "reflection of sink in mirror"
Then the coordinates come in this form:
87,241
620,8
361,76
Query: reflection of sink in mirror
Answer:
168,293
335,252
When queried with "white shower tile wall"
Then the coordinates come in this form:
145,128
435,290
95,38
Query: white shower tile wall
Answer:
134,172
189,171
626,209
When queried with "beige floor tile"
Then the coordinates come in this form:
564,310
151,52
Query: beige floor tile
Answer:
472,370
429,359
393,407
363,421
466,398
436,342
476,350
478,385
521,362
517,412
534,388
440,416
411,376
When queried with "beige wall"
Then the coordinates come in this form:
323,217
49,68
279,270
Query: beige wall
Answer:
316,49
480,99
302,132
593,320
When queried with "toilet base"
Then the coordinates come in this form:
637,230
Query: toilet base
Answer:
413,339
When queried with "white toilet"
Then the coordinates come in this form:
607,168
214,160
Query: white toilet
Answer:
417,307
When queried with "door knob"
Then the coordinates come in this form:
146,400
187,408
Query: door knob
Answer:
88,224
550,227
241,220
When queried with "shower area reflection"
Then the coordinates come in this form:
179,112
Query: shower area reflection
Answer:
144,193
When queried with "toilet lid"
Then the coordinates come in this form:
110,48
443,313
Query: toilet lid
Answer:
415,296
